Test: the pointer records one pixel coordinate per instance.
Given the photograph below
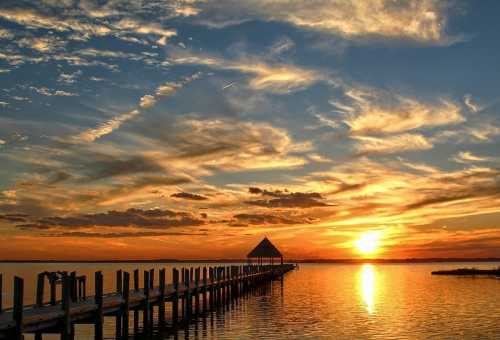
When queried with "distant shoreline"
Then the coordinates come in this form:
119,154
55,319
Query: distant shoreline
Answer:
318,261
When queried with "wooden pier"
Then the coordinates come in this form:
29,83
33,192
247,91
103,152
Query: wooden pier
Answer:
192,292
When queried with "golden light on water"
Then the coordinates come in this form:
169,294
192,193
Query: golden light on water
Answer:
368,286
368,243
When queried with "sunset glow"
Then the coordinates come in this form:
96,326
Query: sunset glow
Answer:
192,129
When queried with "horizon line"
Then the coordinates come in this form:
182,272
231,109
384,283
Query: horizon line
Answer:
326,260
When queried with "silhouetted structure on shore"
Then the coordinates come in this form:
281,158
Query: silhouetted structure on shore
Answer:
265,250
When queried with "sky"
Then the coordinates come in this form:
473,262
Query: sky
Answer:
194,128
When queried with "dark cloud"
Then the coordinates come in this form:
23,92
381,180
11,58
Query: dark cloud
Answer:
451,195
28,206
57,177
259,219
14,217
189,196
283,193
150,219
286,199
120,235
111,167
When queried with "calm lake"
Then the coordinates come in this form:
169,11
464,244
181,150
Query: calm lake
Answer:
326,301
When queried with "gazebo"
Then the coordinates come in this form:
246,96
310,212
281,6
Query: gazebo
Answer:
265,249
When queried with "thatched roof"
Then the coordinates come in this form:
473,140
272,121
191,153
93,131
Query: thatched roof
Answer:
265,249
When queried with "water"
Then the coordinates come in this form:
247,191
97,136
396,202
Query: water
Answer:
331,301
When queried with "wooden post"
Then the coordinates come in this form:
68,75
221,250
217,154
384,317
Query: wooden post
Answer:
183,281
145,311
1,292
18,307
187,297
175,300
191,281
218,285
67,285
53,283
205,289
211,296
228,286
151,279
197,291
161,307
119,281
72,286
223,286
126,303
39,289
99,318
136,312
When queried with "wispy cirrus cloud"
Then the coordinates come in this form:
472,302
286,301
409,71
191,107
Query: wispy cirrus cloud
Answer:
468,157
277,78
392,144
106,127
368,111
420,21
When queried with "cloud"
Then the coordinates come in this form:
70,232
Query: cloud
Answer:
41,44
119,234
419,21
111,166
105,128
189,196
285,199
33,19
69,78
138,218
49,93
9,193
233,145
282,45
371,111
147,101
167,89
391,144
277,78
325,121
61,19
471,105
263,219
468,157
146,29
477,133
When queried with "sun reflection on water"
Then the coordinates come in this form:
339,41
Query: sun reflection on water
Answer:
368,286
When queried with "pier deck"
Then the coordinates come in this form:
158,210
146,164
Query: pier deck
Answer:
194,289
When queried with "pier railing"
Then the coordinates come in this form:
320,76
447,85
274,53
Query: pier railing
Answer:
194,290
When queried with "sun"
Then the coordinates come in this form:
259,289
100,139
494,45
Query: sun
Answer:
368,243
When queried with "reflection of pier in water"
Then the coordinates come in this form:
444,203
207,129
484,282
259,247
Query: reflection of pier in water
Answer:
193,295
